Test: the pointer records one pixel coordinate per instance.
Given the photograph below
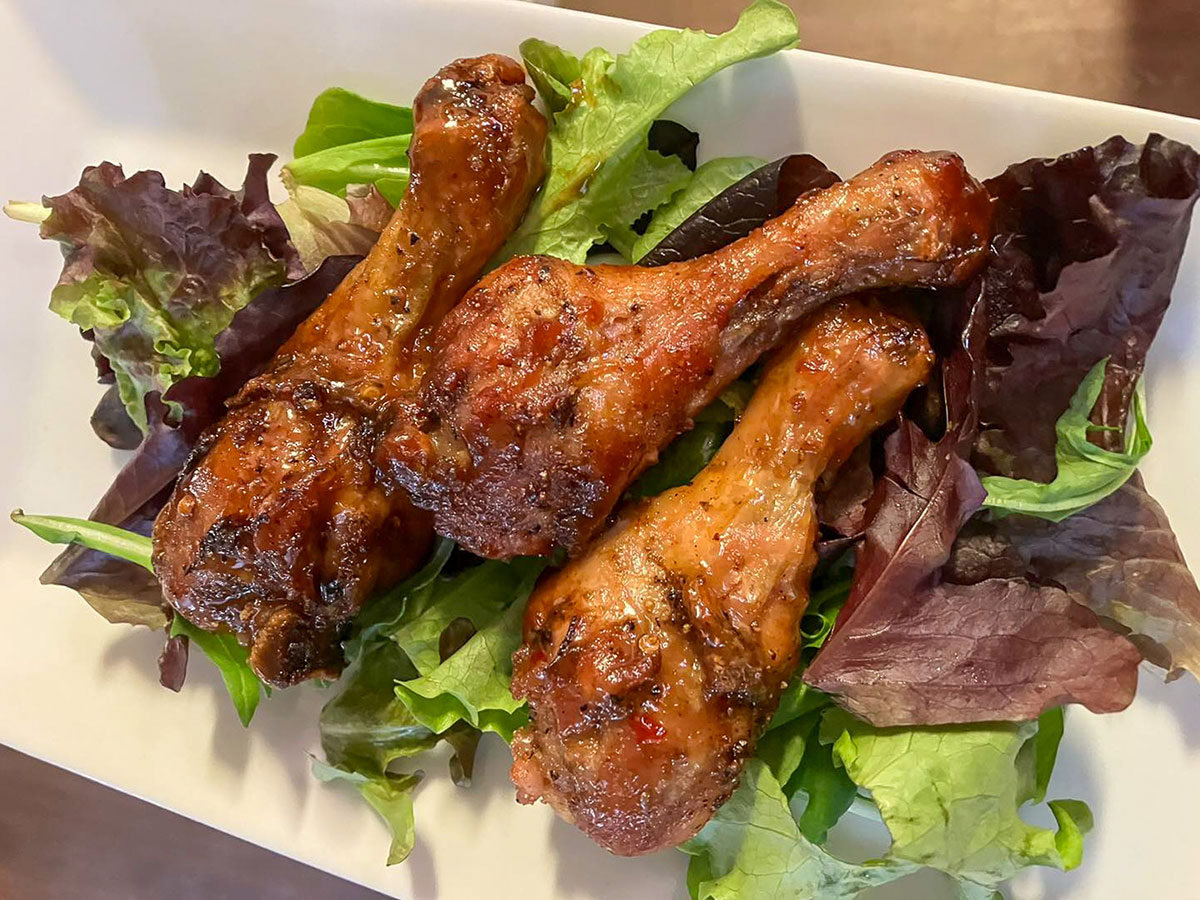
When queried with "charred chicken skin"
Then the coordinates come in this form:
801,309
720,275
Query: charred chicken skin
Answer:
554,384
652,664
278,529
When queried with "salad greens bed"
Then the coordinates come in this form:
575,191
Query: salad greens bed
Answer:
972,556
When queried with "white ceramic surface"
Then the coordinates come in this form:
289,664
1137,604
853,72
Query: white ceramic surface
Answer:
177,86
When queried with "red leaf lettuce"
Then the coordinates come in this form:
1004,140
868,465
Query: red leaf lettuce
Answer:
1001,622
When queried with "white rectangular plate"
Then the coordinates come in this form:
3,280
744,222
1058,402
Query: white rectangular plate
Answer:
179,86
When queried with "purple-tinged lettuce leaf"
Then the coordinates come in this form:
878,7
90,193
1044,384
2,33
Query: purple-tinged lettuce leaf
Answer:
999,650
910,650
229,656
842,502
123,592
368,208
740,208
173,662
154,274
251,340
1119,558
927,494
109,420
1086,251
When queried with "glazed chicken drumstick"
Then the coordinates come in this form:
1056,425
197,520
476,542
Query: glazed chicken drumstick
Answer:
277,530
652,664
553,384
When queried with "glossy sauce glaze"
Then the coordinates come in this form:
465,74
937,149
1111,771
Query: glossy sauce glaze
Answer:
278,529
652,663
553,384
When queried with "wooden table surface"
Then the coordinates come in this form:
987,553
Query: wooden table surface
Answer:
64,837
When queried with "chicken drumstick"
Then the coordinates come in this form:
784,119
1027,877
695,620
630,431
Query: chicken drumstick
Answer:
278,530
652,664
553,384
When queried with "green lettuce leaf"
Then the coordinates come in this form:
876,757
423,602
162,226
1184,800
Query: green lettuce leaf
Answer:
226,653
830,590
812,782
637,182
782,747
1086,473
433,662
705,183
951,796
350,147
553,71
798,699
153,274
350,140
1045,751
752,849
339,117
827,789
478,595
231,661
600,137
135,548
818,789
389,795
383,615
414,637
382,162
473,683
366,727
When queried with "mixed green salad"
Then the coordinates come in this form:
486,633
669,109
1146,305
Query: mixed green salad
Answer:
985,533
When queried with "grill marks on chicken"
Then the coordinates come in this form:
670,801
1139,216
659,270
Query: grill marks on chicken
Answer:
278,529
553,384
652,664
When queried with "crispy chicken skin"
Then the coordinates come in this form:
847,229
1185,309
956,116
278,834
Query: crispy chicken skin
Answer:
652,664
554,384
278,529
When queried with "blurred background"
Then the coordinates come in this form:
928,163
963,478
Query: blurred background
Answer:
1139,52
